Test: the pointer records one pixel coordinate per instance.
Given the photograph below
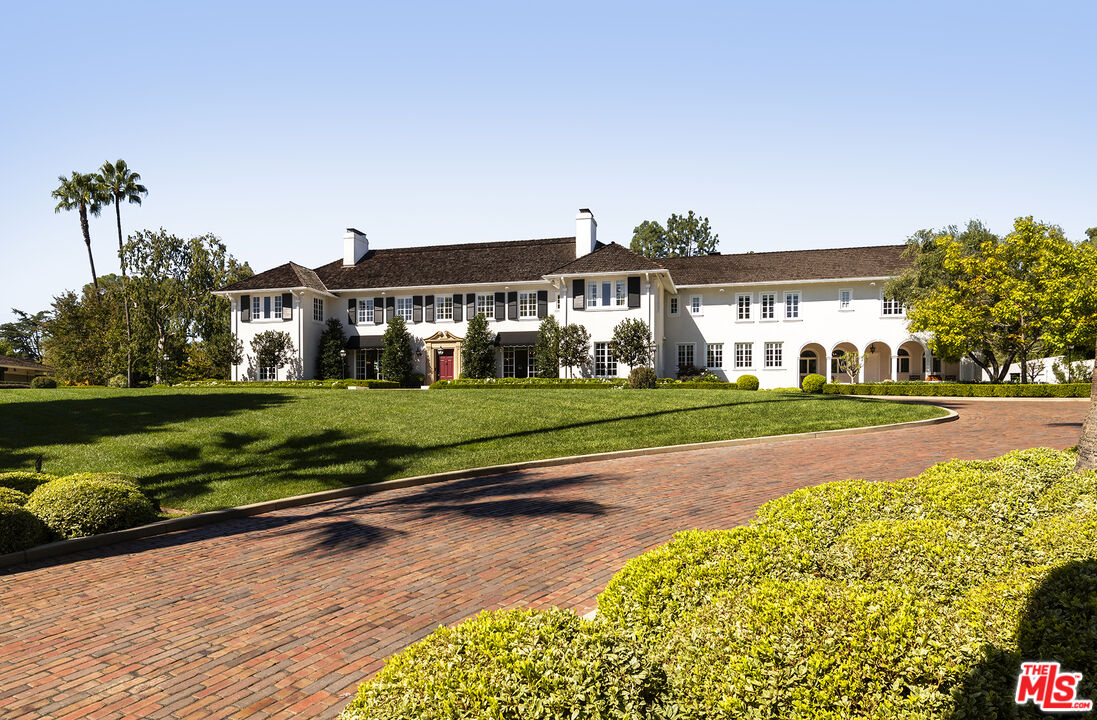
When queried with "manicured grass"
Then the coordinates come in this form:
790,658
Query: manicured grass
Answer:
201,449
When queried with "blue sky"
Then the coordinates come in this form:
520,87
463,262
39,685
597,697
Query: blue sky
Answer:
791,125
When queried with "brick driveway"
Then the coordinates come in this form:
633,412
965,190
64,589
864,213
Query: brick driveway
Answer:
282,615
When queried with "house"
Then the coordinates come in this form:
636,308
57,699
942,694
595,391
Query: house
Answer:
777,315
18,370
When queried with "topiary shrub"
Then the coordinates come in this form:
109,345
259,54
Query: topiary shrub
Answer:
81,505
117,381
24,481
19,529
747,382
813,383
525,664
43,381
11,496
642,378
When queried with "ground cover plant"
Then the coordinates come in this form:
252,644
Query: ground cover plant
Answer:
205,448
913,599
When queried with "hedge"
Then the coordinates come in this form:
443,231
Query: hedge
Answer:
528,383
1073,390
10,496
43,381
19,528
322,384
88,504
24,481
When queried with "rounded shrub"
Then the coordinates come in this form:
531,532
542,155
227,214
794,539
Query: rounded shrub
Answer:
19,528
747,382
80,505
642,377
43,381
10,496
24,481
527,664
813,383
117,381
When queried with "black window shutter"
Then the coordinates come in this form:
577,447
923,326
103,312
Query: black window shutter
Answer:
634,291
457,308
428,308
512,305
578,294
417,308
287,306
378,311
500,301
470,299
352,311
542,303
390,308
245,308
266,306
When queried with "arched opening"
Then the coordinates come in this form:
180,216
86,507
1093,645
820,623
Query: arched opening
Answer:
910,361
877,365
839,371
811,361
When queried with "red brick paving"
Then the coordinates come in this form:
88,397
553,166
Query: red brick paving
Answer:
282,615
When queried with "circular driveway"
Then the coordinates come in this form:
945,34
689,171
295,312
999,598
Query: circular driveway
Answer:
282,615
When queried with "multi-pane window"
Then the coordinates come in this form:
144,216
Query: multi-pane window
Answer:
685,355
742,304
773,355
365,310
744,355
695,305
527,305
768,302
836,361
443,307
845,299
903,361
714,355
360,365
605,364
268,372
672,306
403,308
892,306
278,306
318,309
256,307
620,298
485,305
792,305
592,295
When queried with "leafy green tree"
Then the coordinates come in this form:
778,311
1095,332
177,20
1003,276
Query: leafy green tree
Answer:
24,335
478,350
272,349
83,339
1091,235
396,353
212,359
547,349
926,250
83,193
632,343
649,239
850,362
332,342
574,347
684,235
119,184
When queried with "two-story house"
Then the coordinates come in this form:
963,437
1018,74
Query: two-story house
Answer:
776,315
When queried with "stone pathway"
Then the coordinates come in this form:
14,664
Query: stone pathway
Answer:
282,615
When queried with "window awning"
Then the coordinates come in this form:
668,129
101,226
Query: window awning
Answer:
359,342
524,337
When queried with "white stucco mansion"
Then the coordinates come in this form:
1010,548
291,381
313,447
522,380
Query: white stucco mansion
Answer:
776,315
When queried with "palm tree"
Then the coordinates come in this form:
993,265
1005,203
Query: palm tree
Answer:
120,183
1087,444
83,193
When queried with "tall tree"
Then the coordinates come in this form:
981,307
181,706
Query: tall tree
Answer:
25,334
649,239
332,342
632,343
119,183
684,235
273,349
574,347
547,350
84,334
478,350
81,192
396,352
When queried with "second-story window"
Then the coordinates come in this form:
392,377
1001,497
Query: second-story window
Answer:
318,309
365,310
403,308
792,306
443,307
892,307
742,304
527,305
621,296
768,302
485,305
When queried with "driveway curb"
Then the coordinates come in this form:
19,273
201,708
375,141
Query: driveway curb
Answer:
188,522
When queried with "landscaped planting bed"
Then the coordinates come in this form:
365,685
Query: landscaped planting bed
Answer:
947,389
913,599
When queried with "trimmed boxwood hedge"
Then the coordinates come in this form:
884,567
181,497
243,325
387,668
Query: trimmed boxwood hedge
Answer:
748,382
813,383
43,381
89,504
19,528
321,384
1065,390
24,481
528,383
10,496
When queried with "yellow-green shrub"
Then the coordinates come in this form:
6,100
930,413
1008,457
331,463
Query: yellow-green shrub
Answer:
23,480
12,496
88,504
19,529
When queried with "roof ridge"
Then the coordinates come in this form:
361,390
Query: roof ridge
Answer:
781,252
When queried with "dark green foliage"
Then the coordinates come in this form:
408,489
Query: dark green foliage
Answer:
87,504
24,335
10,496
632,343
747,382
813,383
547,350
574,347
117,381
688,234
396,353
478,350
531,383
959,389
642,377
43,381
516,664
25,481
271,348
19,529
331,365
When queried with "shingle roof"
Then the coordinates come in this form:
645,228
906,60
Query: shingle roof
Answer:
465,264
288,275
14,362
873,261
608,258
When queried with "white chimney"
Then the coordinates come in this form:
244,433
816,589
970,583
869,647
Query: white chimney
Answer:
355,246
586,233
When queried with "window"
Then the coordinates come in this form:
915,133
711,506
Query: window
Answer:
714,355
744,355
527,305
773,355
318,309
365,310
792,305
443,307
360,365
768,302
845,299
277,307
694,304
605,364
685,355
485,305
268,372
592,300
621,297
672,306
256,307
892,307
403,308
835,361
903,361
742,304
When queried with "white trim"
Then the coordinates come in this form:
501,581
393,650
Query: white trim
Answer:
750,307
230,294
786,280
799,305
848,308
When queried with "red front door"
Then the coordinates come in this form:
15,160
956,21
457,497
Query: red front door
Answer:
445,364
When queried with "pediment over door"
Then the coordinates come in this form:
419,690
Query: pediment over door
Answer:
443,336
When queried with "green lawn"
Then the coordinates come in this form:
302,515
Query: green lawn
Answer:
200,449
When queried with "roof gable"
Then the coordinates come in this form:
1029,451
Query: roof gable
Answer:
788,265
608,258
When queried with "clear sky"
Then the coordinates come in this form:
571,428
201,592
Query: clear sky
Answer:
791,125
